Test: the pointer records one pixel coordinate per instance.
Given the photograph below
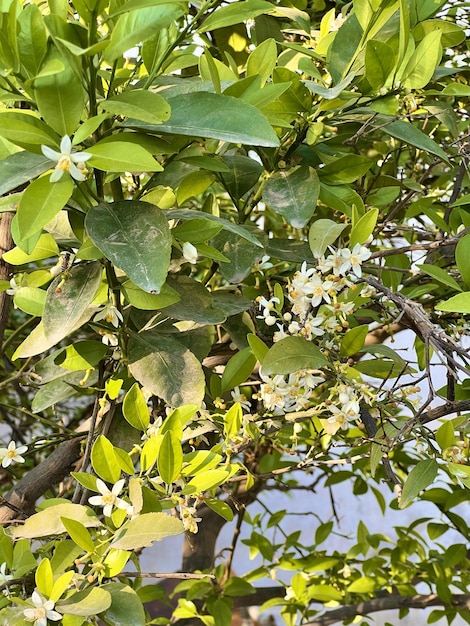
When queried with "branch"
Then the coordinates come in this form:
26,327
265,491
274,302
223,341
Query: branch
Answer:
6,243
21,499
385,604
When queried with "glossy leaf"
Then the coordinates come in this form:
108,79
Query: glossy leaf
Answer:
462,256
170,457
25,129
238,369
291,354
104,460
420,477
423,62
379,62
346,169
138,25
90,601
234,14
166,368
457,304
322,234
135,409
140,299
67,306
139,104
364,227
82,355
404,131
145,529
353,340
440,275
122,156
126,607
212,115
135,236
293,194
19,168
40,202
79,534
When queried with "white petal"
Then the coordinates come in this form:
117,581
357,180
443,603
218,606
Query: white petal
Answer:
102,487
81,157
56,175
118,486
76,173
65,145
50,153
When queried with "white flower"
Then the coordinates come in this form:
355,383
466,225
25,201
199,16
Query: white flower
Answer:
12,454
353,259
43,610
66,160
190,252
110,314
109,339
109,498
239,397
13,287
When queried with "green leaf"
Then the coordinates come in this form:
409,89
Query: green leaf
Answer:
140,299
189,214
196,231
135,409
208,479
145,529
353,340
40,202
324,593
322,234
258,347
222,509
196,303
405,131
238,369
31,300
126,607
364,227
213,115
122,156
24,129
420,477
234,14
166,368
104,460
67,306
364,584
292,354
139,104
423,62
457,304
90,601
60,96
379,62
79,534
445,435
19,168
44,577
462,256
135,237
262,60
49,521
240,252
170,457
82,355
243,174
346,169
293,194
136,26
440,275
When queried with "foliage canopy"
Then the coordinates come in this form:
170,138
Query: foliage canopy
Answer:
218,216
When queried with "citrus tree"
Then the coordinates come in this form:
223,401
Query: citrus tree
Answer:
215,218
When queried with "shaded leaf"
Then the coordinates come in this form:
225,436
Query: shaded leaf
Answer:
166,368
135,236
293,194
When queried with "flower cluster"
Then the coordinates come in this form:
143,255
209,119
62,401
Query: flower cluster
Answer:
188,514
318,307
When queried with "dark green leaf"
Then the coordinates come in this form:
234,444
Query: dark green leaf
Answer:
418,479
20,168
293,194
404,131
135,236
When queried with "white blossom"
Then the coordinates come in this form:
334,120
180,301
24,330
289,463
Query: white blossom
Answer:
66,160
109,339
190,252
42,611
109,498
12,454
239,397
110,314
13,287
353,259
